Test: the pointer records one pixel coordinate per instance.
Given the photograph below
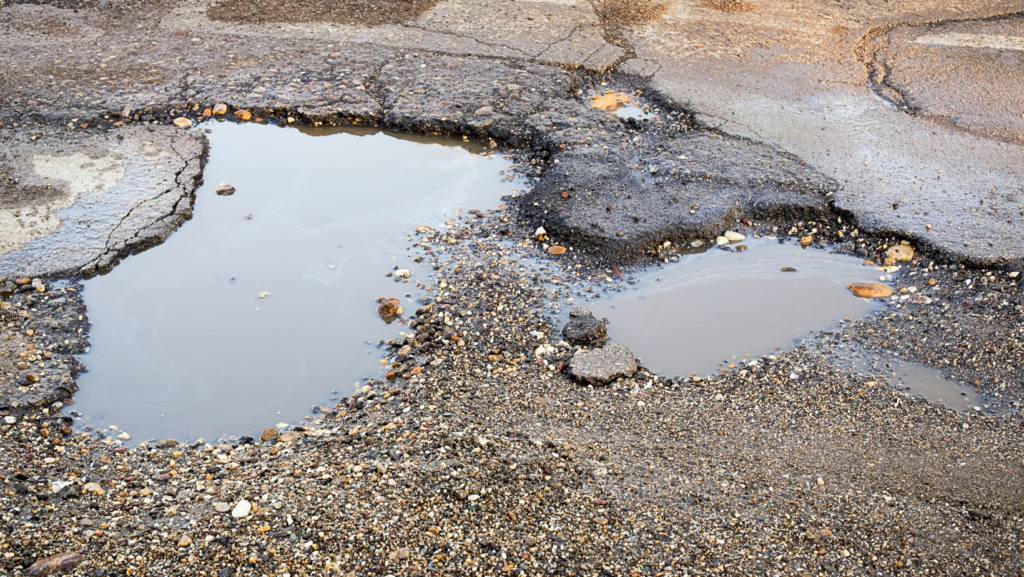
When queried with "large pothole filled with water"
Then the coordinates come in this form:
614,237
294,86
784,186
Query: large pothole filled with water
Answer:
264,303
722,309
263,307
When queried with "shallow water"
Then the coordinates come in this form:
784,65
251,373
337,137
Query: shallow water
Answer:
619,104
715,308
182,345
918,379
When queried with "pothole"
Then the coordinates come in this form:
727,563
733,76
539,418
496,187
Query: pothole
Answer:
264,303
620,104
720,309
915,379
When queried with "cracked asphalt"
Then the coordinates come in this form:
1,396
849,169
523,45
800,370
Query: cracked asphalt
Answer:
861,123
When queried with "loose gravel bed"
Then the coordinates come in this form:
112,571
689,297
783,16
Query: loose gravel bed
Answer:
477,456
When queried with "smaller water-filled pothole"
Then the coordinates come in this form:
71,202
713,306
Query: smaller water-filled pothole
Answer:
264,303
621,104
914,379
717,309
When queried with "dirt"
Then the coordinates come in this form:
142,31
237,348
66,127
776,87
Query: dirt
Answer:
352,12
619,17
729,6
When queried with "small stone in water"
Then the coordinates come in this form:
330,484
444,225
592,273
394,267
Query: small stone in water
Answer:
263,295
268,434
124,436
788,269
388,307
225,189
733,236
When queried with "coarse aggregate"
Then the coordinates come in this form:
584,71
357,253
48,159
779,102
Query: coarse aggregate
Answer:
42,327
478,455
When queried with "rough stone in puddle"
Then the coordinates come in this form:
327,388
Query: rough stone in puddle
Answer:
388,308
602,366
268,434
583,328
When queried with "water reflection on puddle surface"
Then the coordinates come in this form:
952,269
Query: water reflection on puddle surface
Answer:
619,104
716,307
182,345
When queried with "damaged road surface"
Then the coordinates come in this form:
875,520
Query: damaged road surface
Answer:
489,444
74,203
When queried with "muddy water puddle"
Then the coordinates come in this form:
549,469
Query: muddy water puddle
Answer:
718,308
915,379
264,303
620,104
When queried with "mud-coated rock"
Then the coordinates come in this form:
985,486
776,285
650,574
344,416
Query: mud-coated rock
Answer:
583,328
602,366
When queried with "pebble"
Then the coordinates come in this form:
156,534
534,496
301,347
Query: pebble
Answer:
388,308
182,122
225,189
870,290
242,509
733,236
900,253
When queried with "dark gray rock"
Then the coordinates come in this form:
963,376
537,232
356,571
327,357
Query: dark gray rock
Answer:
602,366
583,328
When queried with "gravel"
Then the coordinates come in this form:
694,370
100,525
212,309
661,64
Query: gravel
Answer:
489,459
